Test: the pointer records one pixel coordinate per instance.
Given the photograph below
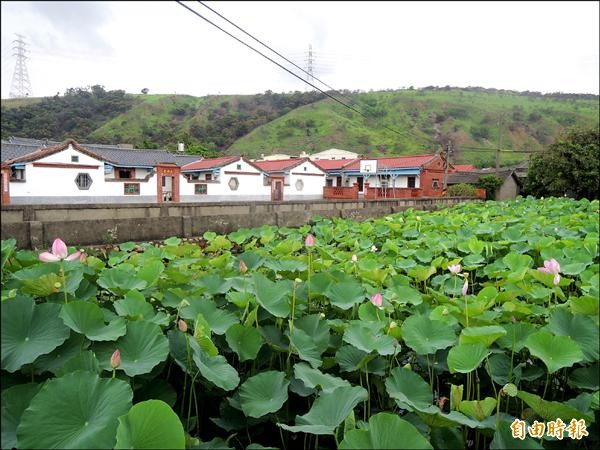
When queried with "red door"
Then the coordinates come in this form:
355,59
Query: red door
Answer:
276,190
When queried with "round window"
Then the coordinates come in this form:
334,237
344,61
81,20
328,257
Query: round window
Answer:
299,185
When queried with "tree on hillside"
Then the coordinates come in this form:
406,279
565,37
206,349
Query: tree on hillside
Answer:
570,167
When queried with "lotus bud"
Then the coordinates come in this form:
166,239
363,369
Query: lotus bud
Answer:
310,240
465,287
243,267
377,300
182,326
373,248
354,258
115,359
454,268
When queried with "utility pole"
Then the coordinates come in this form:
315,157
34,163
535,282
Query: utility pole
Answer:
20,87
448,146
310,65
499,145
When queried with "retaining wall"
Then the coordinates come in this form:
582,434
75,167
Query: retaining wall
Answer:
36,226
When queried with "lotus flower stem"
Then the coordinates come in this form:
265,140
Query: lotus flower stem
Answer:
369,390
196,407
546,385
280,433
64,280
309,273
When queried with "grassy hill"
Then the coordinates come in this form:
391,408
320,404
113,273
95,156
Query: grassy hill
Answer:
392,122
420,120
206,124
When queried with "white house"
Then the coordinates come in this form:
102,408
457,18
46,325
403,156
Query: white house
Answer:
332,154
68,172
302,179
227,178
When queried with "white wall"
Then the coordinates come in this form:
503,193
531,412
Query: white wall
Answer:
140,173
55,182
374,181
313,180
251,185
334,153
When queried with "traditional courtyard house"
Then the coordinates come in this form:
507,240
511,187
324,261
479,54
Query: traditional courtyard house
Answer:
394,177
68,172
510,187
227,178
332,154
293,179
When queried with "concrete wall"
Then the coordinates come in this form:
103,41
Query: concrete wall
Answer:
508,190
36,226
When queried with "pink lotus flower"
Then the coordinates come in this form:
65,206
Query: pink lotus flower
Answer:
243,266
454,268
465,287
310,240
182,326
59,252
115,359
377,300
354,258
553,267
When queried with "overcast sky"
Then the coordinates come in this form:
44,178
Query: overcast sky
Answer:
536,46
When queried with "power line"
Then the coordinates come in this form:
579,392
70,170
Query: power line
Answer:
307,72
506,150
275,62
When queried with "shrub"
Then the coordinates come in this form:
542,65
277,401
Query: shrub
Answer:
461,190
490,183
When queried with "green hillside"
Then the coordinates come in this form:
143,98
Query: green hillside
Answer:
420,119
392,122
206,124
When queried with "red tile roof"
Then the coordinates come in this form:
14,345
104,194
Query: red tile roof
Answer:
210,163
397,162
333,164
279,165
464,167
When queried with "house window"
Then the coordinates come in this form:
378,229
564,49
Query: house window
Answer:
200,189
328,182
17,174
208,177
125,173
131,188
435,184
74,158
299,185
412,182
239,167
234,184
83,181
305,168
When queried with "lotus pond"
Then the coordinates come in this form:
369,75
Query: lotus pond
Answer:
469,327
